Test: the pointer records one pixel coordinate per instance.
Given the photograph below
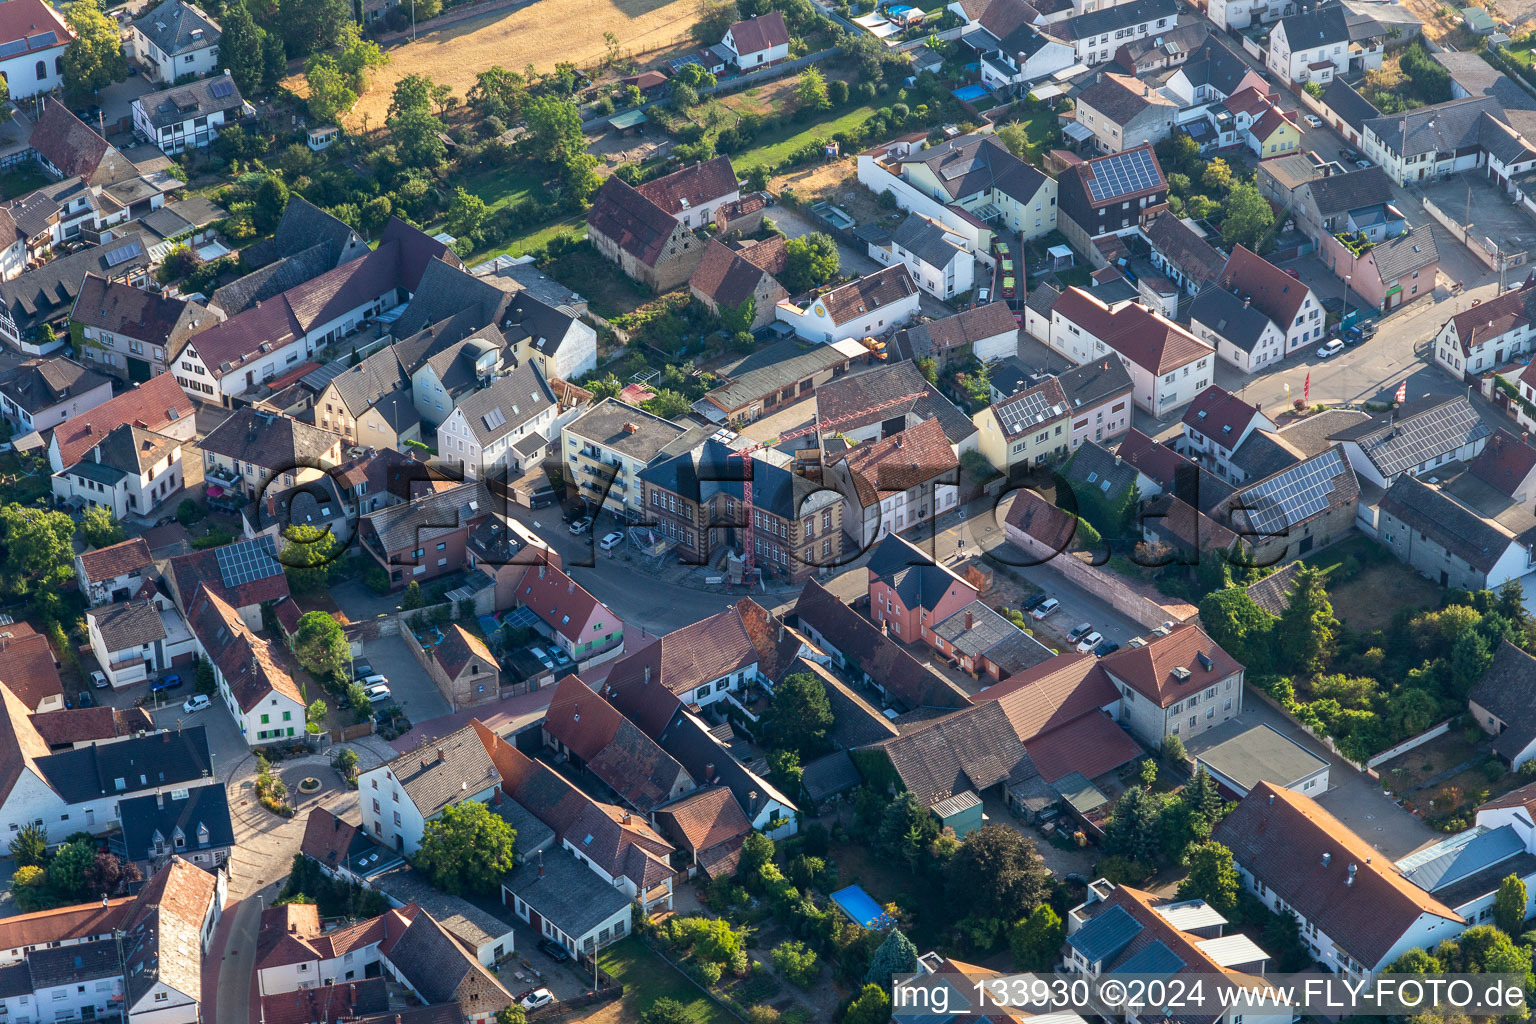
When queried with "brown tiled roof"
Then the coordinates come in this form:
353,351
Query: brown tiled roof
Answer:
1267,125
443,971
459,645
563,604
1178,242
706,818
612,747
274,442
1281,836
63,924
1274,292
327,837
1147,339
1219,415
1496,316
245,659
1042,521
116,559
342,1000
27,666
1090,745
127,624
438,775
75,725
900,461
1504,463
1052,693
1181,525
730,277
692,187
1149,670
868,293
136,313
200,569
163,930
760,33
634,223
62,138
975,324
1524,797
284,933
972,749
1272,593
155,405
686,657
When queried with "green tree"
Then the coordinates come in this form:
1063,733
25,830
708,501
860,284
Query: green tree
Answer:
1132,830
1239,626
411,598
870,1006
315,713
98,529
800,715
1509,906
581,179
665,1011
1248,216
357,699
1036,941
240,47
94,58
417,134
811,90
312,26
30,845
896,955
1217,176
1015,135
811,260
1212,877
358,56
1470,657
1304,635
1415,961
203,677
1202,797
513,1014
738,318
309,557
39,552
466,850
320,645
29,888
996,874
797,962
67,870
466,212
274,61
554,128
907,829
498,93
271,199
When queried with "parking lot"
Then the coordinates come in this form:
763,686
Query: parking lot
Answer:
413,689
1493,217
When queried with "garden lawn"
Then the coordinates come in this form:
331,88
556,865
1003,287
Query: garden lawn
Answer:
502,186
1520,54
585,270
775,147
647,978
535,240
21,180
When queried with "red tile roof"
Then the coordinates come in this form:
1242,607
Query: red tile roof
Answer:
246,661
692,187
1497,316
900,461
707,818
760,33
1270,290
1042,521
868,293
1356,894
459,645
613,748
1150,670
564,605
76,725
1148,339
1157,462
1092,744
155,405
1219,415
62,924
117,559
634,223
27,666
1505,462
325,1004
201,569
1271,122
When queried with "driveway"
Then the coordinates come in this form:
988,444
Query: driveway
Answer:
408,681
360,603
1355,799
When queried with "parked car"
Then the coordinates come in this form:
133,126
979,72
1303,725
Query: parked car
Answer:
1107,647
1313,120
168,681
1352,336
561,658
379,694
552,949
537,998
612,541
542,657
1331,348
85,700
983,296
1045,608
374,680
1079,631
1032,602
1089,642
199,702
1364,164
99,680
581,526
361,670
1291,273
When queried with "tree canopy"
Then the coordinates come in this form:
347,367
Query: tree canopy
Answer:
94,58
467,850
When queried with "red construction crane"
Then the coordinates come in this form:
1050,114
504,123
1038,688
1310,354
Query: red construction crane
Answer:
748,559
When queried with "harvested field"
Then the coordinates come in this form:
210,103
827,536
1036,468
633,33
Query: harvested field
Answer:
541,34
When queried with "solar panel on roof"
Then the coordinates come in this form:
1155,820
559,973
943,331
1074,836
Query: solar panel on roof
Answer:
1274,505
42,39
221,88
1122,174
494,419
247,561
123,253
13,47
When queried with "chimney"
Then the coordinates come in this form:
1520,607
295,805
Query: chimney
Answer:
1271,798
440,755
885,628
1326,858
1351,879
630,428
969,620
709,772
624,820
647,673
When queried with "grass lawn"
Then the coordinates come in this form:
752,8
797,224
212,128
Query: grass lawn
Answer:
646,979
21,180
502,185
586,271
1519,54
21,480
774,147
574,225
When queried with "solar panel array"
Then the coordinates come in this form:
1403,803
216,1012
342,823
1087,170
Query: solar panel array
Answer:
1122,174
1418,439
223,87
13,47
42,39
123,253
1274,505
1020,413
247,560
494,419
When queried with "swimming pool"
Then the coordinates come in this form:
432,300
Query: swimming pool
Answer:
975,91
861,907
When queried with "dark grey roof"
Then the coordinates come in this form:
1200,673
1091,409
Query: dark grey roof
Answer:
974,163
204,807
1508,690
1263,454
177,27
1009,375
143,762
274,278
565,892
1214,64
1105,935
1442,128
446,292
15,980
1110,19
1236,321
1355,110
1094,382
926,240
529,317
49,291
1320,26
1273,592
974,629
1094,466
397,410
1417,437
1182,246
974,748
688,740
442,971
1340,193
445,771
360,386
1486,881
431,515
532,834
830,775
303,227
1041,298
74,964
494,412
265,439
1428,510
710,469
128,624
1406,253
1017,651
839,403
606,424
38,386
771,369
194,99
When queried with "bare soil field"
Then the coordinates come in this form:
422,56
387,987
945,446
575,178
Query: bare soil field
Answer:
541,34
838,183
